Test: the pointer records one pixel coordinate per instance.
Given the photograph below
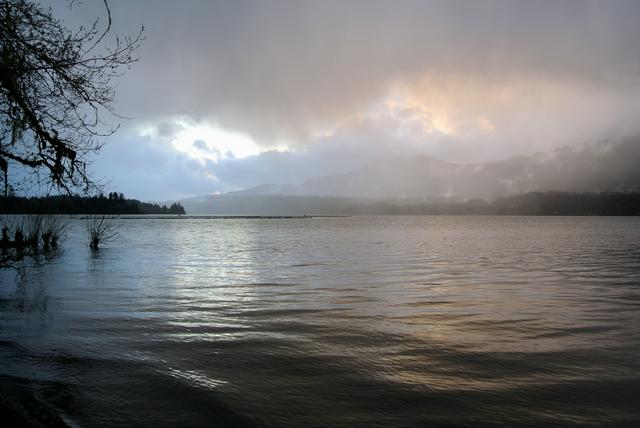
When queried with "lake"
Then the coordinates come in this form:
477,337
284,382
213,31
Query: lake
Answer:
331,322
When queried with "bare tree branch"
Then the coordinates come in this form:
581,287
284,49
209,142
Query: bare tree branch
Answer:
56,86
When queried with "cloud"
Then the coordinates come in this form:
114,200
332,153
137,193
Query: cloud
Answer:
151,169
331,84
201,145
286,71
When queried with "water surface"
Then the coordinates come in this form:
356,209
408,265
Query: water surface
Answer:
360,321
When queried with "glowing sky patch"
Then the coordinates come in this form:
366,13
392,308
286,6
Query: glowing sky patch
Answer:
205,141
220,143
485,124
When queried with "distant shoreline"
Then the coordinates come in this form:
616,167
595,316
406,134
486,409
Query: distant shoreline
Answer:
213,217
533,203
550,203
113,204
303,217
294,217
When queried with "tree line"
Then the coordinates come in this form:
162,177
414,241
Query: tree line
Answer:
113,203
533,203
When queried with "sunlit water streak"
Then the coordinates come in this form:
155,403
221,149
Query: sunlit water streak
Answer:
362,321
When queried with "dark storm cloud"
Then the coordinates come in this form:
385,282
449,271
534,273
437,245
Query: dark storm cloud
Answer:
480,79
284,69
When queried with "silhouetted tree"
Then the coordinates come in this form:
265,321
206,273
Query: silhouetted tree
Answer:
29,237
100,229
56,85
176,208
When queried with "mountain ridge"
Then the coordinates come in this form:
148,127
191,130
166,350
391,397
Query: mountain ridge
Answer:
602,167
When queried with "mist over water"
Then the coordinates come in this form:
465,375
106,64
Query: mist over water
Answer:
360,321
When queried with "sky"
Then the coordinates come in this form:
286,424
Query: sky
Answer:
227,95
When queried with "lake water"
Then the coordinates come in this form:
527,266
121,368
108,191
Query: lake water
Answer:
359,321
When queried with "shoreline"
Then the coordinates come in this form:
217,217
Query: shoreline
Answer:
23,409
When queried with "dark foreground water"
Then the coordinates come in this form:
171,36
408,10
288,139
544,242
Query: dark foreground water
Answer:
362,321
